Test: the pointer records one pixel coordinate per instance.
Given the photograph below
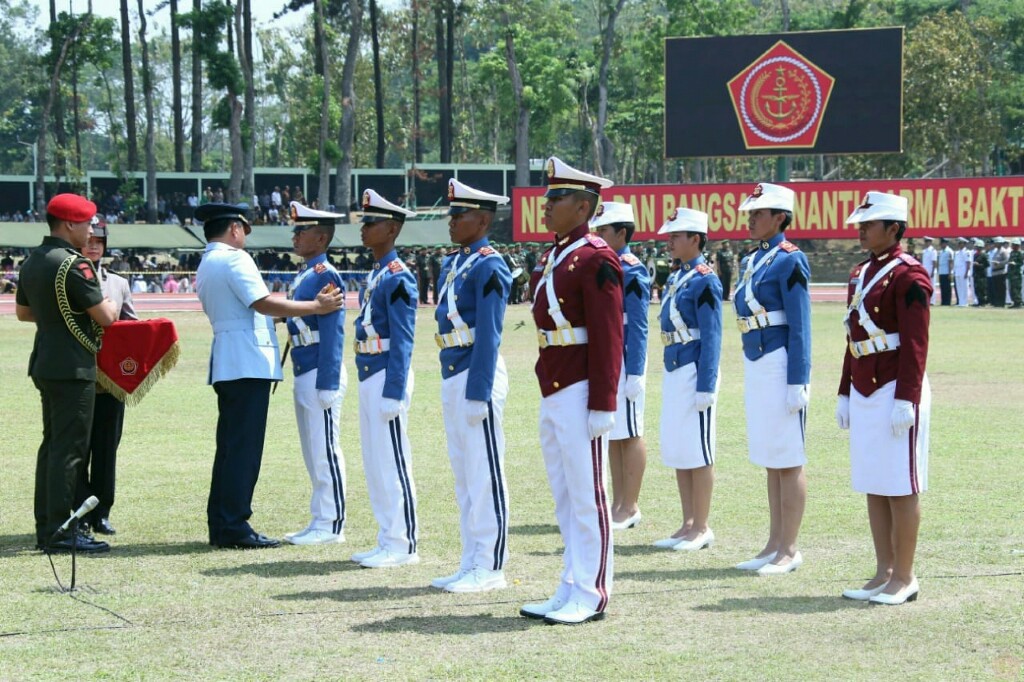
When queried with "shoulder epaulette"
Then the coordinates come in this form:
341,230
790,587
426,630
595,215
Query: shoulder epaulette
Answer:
908,259
789,247
396,266
703,269
629,259
320,268
595,240
86,267
486,251
452,252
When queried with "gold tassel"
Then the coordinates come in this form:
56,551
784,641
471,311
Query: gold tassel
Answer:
166,363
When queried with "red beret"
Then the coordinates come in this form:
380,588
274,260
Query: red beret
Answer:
72,208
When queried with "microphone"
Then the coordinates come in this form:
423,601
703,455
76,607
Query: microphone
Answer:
86,507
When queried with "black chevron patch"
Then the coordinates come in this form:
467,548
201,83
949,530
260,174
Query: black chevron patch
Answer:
606,273
707,298
401,293
635,289
796,278
493,285
915,294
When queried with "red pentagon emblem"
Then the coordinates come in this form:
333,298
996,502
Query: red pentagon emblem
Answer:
451,192
600,211
366,200
129,367
780,99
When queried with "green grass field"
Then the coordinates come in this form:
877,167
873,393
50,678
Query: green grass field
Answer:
187,611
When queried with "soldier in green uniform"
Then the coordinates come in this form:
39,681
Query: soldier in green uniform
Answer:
725,260
1013,274
980,265
60,292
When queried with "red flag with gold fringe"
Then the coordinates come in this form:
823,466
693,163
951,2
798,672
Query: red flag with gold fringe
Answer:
135,354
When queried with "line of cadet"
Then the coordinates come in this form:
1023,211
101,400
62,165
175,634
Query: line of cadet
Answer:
979,276
590,299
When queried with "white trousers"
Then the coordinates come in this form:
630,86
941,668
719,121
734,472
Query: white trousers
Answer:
387,461
575,466
325,463
962,297
477,456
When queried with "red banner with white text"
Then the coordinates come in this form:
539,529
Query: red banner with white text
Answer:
958,207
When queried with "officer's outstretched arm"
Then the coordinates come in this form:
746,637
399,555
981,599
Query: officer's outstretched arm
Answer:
24,313
103,313
327,301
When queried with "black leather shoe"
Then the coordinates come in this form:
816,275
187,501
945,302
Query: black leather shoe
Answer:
82,543
103,527
251,541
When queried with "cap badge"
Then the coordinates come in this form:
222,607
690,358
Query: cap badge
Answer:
551,168
758,191
366,200
600,211
451,192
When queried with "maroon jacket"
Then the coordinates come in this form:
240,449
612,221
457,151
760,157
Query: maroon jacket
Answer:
588,284
898,304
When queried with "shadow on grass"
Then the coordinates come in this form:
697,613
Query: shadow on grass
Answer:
677,574
359,594
283,569
448,624
11,545
18,545
640,550
792,605
534,529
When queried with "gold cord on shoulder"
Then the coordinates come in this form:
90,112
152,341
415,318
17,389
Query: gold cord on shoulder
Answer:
64,305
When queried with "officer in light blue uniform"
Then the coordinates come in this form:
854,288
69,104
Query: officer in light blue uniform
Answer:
773,307
615,223
475,283
320,378
691,331
383,347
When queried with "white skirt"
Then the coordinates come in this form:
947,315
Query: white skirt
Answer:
687,436
775,438
880,463
629,414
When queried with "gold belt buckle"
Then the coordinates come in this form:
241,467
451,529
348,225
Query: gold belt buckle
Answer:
879,342
666,339
854,349
744,325
542,339
439,340
566,336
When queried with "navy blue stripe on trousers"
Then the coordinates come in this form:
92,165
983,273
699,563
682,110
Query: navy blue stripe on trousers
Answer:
704,417
803,425
403,478
631,418
497,489
332,463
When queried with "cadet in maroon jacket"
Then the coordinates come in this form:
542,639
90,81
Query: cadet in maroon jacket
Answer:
577,293
884,398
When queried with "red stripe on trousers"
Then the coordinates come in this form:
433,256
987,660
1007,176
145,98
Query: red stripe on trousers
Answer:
913,452
602,520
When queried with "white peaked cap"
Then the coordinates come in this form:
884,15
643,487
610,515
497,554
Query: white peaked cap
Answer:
686,220
303,215
766,195
563,179
611,212
376,207
880,206
462,198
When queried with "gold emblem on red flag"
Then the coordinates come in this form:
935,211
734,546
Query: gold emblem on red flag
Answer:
780,99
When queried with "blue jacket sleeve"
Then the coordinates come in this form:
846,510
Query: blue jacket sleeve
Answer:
796,301
709,321
332,338
637,299
491,289
402,297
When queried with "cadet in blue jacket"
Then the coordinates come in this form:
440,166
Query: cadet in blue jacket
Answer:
475,283
773,306
691,330
320,378
614,222
384,337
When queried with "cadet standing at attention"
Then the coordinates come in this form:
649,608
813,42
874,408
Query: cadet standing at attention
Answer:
320,378
60,292
383,346
475,283
577,307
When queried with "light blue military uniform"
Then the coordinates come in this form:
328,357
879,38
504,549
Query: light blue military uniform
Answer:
636,299
317,343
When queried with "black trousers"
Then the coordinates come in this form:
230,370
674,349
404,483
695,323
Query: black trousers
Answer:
999,291
726,276
97,474
945,290
241,428
67,421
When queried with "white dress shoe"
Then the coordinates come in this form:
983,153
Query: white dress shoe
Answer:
545,607
755,563
316,537
289,536
572,613
668,543
628,523
478,580
705,539
444,581
388,559
863,595
908,593
360,557
777,569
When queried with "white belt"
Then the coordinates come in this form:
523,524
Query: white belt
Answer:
879,343
564,336
775,318
455,339
372,346
685,335
625,318
298,341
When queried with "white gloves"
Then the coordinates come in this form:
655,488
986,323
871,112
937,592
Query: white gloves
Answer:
327,398
843,412
476,411
634,386
389,408
703,401
797,397
600,423
903,417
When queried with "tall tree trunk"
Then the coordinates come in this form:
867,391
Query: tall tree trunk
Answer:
76,124
522,110
417,142
196,160
131,134
346,138
323,60
249,133
234,193
378,89
147,93
179,121
440,55
449,65
605,156
60,132
47,110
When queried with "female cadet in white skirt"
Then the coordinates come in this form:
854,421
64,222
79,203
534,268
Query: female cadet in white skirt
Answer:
773,309
884,398
691,330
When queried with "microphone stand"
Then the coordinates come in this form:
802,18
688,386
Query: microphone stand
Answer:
74,553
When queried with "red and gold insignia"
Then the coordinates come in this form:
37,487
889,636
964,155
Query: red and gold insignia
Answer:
129,366
486,251
629,259
295,213
789,247
451,192
600,211
366,200
758,190
551,168
703,269
86,269
595,240
780,99
319,268
395,266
